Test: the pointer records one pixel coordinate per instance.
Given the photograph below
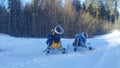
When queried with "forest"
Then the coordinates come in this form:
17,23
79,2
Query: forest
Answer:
36,19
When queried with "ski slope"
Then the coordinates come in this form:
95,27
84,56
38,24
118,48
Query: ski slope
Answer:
27,53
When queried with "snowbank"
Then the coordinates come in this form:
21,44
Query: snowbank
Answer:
27,53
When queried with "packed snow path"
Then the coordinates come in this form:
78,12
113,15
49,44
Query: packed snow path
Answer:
27,53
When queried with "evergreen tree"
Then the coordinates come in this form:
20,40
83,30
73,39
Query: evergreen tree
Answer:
3,19
76,4
14,16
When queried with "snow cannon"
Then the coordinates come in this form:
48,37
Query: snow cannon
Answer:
80,41
59,30
56,43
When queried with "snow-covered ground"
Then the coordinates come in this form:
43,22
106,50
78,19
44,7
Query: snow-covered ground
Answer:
27,53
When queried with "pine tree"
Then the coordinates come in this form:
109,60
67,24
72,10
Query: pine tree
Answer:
14,16
77,5
3,19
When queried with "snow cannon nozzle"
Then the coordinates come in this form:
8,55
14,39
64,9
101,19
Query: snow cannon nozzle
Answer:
59,30
85,34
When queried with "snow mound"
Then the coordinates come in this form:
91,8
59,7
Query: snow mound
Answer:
27,53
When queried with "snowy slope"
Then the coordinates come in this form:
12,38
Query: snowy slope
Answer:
27,53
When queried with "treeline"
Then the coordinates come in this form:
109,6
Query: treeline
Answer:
36,19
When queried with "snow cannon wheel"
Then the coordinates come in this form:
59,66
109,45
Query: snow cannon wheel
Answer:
63,51
90,48
75,49
48,50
